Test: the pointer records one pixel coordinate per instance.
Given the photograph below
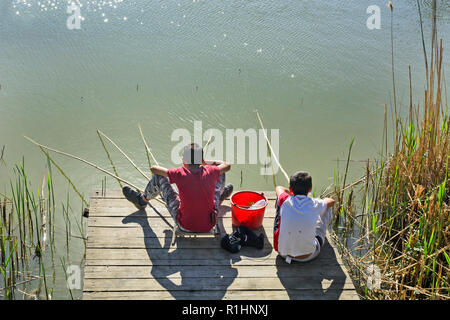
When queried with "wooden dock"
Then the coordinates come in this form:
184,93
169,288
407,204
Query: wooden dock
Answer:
129,256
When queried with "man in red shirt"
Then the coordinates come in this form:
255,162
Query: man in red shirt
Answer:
200,185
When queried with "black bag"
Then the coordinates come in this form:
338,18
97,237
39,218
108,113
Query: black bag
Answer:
243,236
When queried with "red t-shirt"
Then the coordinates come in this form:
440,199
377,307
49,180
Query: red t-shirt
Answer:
276,231
196,190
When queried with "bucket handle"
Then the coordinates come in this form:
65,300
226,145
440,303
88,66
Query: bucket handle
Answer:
239,207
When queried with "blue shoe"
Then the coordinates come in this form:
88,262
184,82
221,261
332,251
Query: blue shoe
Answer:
227,191
134,197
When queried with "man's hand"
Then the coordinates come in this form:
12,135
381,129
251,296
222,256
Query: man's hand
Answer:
330,202
223,166
212,162
159,170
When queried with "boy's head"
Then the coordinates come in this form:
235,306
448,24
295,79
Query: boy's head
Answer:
300,183
193,154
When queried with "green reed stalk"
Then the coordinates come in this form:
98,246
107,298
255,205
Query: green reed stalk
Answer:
7,279
51,203
241,180
63,264
65,209
16,197
65,176
44,277
341,195
109,157
393,72
2,155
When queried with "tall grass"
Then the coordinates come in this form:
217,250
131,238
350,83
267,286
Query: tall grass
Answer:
404,228
28,227
2,154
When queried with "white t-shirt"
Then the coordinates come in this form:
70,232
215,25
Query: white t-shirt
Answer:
299,218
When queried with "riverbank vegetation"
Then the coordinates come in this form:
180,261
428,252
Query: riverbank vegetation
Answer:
30,228
393,225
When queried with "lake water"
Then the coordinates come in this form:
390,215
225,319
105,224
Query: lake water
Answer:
313,69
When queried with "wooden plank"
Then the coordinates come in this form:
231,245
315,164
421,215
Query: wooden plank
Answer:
234,262
218,283
267,271
155,252
307,294
179,254
124,234
198,242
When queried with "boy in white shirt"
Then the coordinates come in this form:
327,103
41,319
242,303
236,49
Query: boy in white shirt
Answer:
301,222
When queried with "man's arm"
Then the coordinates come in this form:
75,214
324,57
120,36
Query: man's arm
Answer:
330,202
280,189
159,170
223,166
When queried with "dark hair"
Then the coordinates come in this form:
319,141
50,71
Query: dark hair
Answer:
193,154
300,183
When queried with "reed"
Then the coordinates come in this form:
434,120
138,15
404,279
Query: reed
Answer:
23,236
109,158
404,230
2,154
63,264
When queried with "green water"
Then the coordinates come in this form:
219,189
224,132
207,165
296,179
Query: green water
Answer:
312,68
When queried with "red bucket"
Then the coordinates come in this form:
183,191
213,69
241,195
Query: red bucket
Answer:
240,209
